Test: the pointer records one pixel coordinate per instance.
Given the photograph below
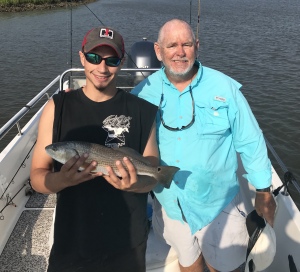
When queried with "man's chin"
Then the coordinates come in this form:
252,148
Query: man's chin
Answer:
180,72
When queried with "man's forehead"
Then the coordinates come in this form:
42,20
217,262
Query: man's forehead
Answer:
183,34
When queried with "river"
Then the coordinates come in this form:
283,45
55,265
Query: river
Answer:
256,42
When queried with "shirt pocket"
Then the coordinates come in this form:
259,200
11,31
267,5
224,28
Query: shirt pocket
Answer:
212,122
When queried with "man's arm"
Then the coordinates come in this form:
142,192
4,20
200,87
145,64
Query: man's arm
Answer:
43,179
130,181
249,142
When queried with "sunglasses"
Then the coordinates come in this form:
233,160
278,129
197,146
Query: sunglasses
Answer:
183,127
96,59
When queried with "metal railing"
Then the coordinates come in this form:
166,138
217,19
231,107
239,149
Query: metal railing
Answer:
14,121
129,70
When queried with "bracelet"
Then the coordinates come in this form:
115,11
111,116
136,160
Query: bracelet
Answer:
264,189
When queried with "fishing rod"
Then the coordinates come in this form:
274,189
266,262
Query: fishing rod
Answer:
198,19
69,5
71,36
190,12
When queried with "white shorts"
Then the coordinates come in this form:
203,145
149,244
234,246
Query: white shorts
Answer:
223,242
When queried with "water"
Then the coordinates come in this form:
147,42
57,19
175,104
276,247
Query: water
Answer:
256,42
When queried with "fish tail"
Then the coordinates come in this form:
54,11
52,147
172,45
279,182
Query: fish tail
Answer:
165,175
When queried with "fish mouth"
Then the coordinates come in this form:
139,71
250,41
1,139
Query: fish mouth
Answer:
50,147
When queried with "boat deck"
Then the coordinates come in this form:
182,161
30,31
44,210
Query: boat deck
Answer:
28,248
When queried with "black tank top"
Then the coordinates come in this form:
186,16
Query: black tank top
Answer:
94,217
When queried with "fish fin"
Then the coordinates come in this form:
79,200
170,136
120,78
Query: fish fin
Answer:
127,151
165,175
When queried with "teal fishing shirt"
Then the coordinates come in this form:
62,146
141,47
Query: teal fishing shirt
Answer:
206,152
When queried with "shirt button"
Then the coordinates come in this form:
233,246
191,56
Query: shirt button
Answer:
180,117
177,161
178,138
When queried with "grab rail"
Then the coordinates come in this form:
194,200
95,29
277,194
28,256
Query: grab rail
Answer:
17,117
14,121
61,80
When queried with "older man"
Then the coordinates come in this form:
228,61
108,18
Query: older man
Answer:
203,120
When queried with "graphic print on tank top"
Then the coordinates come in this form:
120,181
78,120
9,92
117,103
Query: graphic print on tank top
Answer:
116,126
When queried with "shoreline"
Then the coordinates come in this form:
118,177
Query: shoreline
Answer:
43,6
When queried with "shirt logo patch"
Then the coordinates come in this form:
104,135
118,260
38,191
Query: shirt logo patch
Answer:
116,126
219,98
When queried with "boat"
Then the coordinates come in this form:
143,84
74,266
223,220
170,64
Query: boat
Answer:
26,217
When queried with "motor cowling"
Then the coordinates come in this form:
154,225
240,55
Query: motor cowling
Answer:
142,55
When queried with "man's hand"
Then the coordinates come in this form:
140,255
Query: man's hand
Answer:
70,175
265,206
129,181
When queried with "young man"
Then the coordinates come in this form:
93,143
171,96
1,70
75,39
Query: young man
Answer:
101,221
203,120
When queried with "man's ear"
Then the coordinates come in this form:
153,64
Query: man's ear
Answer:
197,45
123,61
157,51
82,58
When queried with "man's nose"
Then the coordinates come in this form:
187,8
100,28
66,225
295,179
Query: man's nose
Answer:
180,51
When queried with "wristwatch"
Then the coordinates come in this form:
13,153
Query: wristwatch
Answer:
268,189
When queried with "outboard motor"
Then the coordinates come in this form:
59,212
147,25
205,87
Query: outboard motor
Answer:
142,55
